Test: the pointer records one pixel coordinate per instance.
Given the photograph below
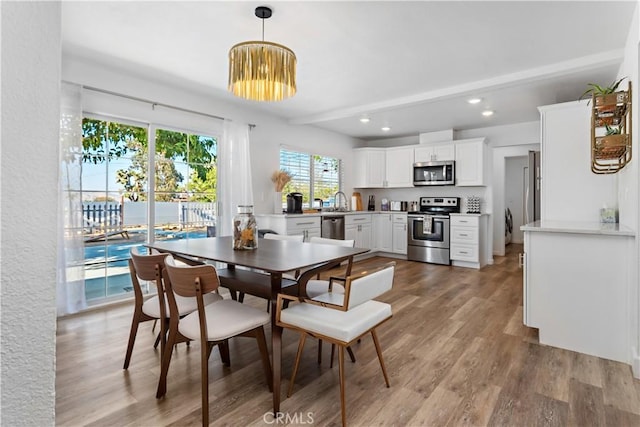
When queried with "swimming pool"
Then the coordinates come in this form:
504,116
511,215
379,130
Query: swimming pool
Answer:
106,265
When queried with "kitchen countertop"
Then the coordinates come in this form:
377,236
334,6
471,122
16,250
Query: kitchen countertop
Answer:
335,213
607,229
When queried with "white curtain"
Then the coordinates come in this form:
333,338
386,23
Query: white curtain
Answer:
234,174
70,273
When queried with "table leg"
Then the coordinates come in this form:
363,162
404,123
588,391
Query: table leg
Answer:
276,340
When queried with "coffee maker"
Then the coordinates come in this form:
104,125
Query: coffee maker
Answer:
294,203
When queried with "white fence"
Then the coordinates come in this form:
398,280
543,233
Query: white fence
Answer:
113,216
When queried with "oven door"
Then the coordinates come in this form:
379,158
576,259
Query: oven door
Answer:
439,236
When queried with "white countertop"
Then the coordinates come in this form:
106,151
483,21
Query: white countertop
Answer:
607,229
335,213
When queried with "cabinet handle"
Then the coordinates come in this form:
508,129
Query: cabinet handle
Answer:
405,227
521,260
463,234
359,219
304,223
464,252
464,221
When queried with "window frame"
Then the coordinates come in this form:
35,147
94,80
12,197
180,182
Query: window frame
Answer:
312,183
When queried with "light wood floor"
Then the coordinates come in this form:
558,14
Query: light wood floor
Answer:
456,352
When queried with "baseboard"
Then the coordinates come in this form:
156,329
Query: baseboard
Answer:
635,362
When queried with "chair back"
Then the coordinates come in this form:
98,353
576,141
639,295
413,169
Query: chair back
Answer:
324,240
272,236
346,243
368,285
147,267
191,281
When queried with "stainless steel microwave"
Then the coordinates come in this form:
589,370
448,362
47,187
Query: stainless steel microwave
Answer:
434,173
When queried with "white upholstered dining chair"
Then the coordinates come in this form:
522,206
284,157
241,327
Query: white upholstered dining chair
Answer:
316,286
149,268
211,325
340,318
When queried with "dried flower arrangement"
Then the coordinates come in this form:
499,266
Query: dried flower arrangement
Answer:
280,178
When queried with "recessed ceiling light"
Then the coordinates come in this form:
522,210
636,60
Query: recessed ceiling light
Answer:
365,120
487,113
474,100
386,128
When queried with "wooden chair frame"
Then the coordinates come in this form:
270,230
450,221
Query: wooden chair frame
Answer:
203,279
149,268
283,299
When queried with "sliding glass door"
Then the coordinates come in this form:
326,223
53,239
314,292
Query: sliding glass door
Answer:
122,205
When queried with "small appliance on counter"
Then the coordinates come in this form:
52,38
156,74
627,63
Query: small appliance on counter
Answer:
473,205
413,207
401,206
294,203
384,205
372,203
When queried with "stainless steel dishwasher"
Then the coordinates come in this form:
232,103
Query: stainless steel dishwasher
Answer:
333,227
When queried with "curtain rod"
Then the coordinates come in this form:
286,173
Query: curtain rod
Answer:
154,103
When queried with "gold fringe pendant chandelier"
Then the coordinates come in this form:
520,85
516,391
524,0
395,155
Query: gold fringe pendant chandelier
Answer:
262,71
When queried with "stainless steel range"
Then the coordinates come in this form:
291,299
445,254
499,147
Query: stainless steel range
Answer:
428,231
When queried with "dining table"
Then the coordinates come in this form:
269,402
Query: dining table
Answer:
273,258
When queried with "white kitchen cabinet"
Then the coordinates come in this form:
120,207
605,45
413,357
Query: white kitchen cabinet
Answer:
399,234
369,167
434,152
308,226
358,228
468,236
576,286
383,232
471,162
399,167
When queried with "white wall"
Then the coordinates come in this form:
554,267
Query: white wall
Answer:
514,193
29,171
628,189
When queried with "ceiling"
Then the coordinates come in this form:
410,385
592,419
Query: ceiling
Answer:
410,65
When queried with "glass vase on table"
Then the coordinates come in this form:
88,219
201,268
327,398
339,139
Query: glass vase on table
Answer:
245,229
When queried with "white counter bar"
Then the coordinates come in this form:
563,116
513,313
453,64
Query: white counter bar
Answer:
579,227
577,287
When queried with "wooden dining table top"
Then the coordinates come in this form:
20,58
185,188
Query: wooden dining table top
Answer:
273,256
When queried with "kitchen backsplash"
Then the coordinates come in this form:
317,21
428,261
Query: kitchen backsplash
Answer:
411,194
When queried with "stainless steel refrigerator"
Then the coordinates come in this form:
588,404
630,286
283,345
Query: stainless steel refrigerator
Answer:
532,188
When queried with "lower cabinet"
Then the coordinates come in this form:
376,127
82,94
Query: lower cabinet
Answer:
383,232
308,226
399,233
467,231
358,228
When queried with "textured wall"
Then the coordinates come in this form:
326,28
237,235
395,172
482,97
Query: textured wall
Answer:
28,172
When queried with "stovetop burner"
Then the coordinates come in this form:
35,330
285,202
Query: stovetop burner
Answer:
439,205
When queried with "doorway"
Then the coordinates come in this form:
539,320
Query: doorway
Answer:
514,178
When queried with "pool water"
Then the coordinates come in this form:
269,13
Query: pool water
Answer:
107,265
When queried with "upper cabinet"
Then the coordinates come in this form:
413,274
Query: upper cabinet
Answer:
399,171
383,167
434,152
369,167
471,159
393,167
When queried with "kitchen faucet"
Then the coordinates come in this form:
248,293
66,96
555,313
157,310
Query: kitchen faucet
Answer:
336,204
